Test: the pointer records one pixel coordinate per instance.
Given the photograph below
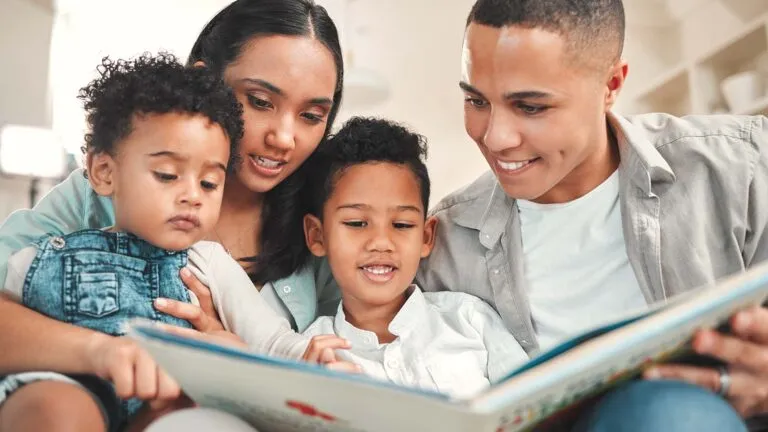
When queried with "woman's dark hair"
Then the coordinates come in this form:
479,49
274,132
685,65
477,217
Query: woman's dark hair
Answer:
220,43
154,85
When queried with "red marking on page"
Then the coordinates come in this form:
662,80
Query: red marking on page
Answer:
309,410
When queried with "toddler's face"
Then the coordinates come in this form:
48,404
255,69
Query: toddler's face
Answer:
373,232
166,178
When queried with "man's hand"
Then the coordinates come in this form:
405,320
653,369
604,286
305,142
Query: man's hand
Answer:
321,350
133,372
746,353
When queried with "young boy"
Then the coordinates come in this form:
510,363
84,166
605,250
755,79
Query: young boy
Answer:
371,192
161,141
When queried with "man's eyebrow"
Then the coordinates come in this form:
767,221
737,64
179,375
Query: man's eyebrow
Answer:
469,89
528,94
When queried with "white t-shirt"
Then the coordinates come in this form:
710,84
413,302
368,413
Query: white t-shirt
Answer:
241,307
576,263
449,342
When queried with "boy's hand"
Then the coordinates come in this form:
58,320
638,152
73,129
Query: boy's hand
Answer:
131,369
321,350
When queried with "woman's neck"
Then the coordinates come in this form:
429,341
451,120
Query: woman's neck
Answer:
373,318
239,225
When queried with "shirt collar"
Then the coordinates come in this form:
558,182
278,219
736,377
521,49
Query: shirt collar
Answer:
641,162
409,317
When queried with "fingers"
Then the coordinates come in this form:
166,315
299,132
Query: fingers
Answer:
732,350
188,312
146,376
752,324
704,377
120,366
316,350
167,388
179,331
344,366
202,292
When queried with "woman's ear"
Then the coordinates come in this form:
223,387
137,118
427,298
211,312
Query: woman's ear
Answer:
101,172
430,233
313,235
199,63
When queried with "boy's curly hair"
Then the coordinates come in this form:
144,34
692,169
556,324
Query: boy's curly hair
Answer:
365,140
154,85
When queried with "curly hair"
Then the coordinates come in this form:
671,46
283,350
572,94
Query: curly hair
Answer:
365,140
154,85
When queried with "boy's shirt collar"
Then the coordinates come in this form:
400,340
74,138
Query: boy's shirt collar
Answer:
408,318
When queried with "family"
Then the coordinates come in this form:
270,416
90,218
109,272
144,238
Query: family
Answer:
216,199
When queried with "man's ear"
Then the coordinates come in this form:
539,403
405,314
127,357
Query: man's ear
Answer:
616,79
101,172
199,63
430,233
313,235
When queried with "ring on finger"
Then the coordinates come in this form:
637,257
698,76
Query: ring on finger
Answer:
725,381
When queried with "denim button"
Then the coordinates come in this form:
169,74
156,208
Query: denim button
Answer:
58,243
287,289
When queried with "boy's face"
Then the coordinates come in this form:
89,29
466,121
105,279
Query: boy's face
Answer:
537,114
373,233
166,178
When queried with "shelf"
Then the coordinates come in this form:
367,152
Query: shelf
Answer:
740,48
759,107
668,81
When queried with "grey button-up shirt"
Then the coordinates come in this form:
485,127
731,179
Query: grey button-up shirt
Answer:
694,205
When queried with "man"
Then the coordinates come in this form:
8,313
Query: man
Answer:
585,211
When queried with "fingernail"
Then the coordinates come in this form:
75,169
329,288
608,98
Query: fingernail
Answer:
741,321
652,374
161,302
185,272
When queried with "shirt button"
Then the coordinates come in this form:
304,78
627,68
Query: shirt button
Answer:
287,289
368,339
58,243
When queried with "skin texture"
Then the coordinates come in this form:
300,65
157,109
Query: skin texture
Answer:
373,217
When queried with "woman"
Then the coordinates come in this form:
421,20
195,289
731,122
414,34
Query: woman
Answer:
283,59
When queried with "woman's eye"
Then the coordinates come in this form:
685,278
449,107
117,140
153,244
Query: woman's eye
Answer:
258,103
208,185
314,118
356,224
165,177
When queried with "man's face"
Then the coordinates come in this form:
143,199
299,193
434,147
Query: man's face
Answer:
537,115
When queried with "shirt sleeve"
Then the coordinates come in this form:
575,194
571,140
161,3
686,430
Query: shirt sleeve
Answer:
756,244
70,206
241,308
504,352
18,266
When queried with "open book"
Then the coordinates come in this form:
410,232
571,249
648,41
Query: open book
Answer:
282,395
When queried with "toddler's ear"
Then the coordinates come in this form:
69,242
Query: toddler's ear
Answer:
101,172
313,235
430,233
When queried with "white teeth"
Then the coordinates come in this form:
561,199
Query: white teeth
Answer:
267,163
378,270
512,166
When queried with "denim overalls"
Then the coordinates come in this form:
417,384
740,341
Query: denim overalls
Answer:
100,280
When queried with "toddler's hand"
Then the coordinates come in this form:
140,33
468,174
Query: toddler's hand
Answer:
131,369
321,350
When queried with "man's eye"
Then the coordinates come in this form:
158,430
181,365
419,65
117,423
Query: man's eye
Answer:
475,102
165,177
531,109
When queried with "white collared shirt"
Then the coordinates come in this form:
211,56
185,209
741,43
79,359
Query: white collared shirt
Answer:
449,342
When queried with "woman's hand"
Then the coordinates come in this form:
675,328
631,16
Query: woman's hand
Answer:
746,353
204,317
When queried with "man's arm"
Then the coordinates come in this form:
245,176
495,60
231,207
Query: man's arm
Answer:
756,244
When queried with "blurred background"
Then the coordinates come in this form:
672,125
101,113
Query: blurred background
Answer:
685,56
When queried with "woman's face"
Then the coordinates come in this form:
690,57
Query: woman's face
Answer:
286,86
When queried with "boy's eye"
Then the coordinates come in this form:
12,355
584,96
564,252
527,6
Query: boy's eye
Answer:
208,185
165,177
356,224
403,225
